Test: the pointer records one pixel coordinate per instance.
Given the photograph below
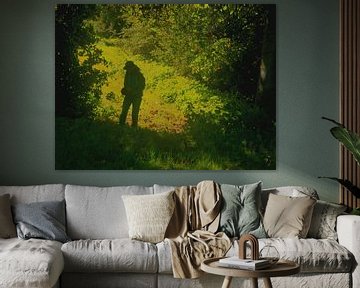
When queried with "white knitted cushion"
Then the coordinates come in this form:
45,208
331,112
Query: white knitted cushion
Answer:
149,215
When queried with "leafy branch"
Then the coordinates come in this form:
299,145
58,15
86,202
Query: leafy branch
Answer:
351,142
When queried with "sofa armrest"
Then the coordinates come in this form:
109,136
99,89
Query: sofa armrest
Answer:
348,230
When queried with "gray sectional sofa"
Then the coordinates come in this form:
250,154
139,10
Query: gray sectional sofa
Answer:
100,253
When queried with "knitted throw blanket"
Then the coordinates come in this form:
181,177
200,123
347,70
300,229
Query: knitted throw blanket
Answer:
191,232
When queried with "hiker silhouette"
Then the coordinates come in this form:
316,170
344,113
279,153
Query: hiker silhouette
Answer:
134,84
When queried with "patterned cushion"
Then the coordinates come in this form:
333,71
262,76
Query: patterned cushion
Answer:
323,223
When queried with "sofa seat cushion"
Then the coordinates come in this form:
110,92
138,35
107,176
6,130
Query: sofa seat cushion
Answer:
313,255
110,255
30,263
164,257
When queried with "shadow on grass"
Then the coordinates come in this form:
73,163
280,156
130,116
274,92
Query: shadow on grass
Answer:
92,145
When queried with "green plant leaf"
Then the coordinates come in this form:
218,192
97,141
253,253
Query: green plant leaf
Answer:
347,184
349,139
355,211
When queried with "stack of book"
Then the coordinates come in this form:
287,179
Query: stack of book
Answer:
236,262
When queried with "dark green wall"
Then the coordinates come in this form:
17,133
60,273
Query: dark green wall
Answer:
307,88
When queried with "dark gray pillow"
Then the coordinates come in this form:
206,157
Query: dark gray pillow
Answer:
44,220
240,213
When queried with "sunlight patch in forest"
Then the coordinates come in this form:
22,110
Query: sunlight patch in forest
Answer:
155,113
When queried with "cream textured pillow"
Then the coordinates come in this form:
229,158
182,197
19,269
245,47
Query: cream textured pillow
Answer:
7,226
288,217
149,215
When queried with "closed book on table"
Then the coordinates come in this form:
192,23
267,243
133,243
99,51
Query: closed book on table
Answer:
236,262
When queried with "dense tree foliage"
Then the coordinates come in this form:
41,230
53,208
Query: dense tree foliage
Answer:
219,45
230,48
78,82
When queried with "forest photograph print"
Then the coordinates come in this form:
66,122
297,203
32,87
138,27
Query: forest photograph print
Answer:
165,86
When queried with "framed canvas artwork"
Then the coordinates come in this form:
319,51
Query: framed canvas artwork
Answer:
165,86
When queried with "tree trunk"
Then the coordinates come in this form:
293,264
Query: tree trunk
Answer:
266,94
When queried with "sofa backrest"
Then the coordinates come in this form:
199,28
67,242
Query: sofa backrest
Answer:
36,193
294,191
163,188
98,212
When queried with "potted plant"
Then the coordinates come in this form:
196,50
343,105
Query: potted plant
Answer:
351,141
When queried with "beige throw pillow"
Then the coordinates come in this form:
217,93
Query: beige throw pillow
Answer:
148,215
7,226
288,217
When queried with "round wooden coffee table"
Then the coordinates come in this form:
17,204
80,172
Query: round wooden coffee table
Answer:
281,268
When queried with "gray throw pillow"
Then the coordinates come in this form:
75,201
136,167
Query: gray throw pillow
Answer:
7,227
240,213
44,220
